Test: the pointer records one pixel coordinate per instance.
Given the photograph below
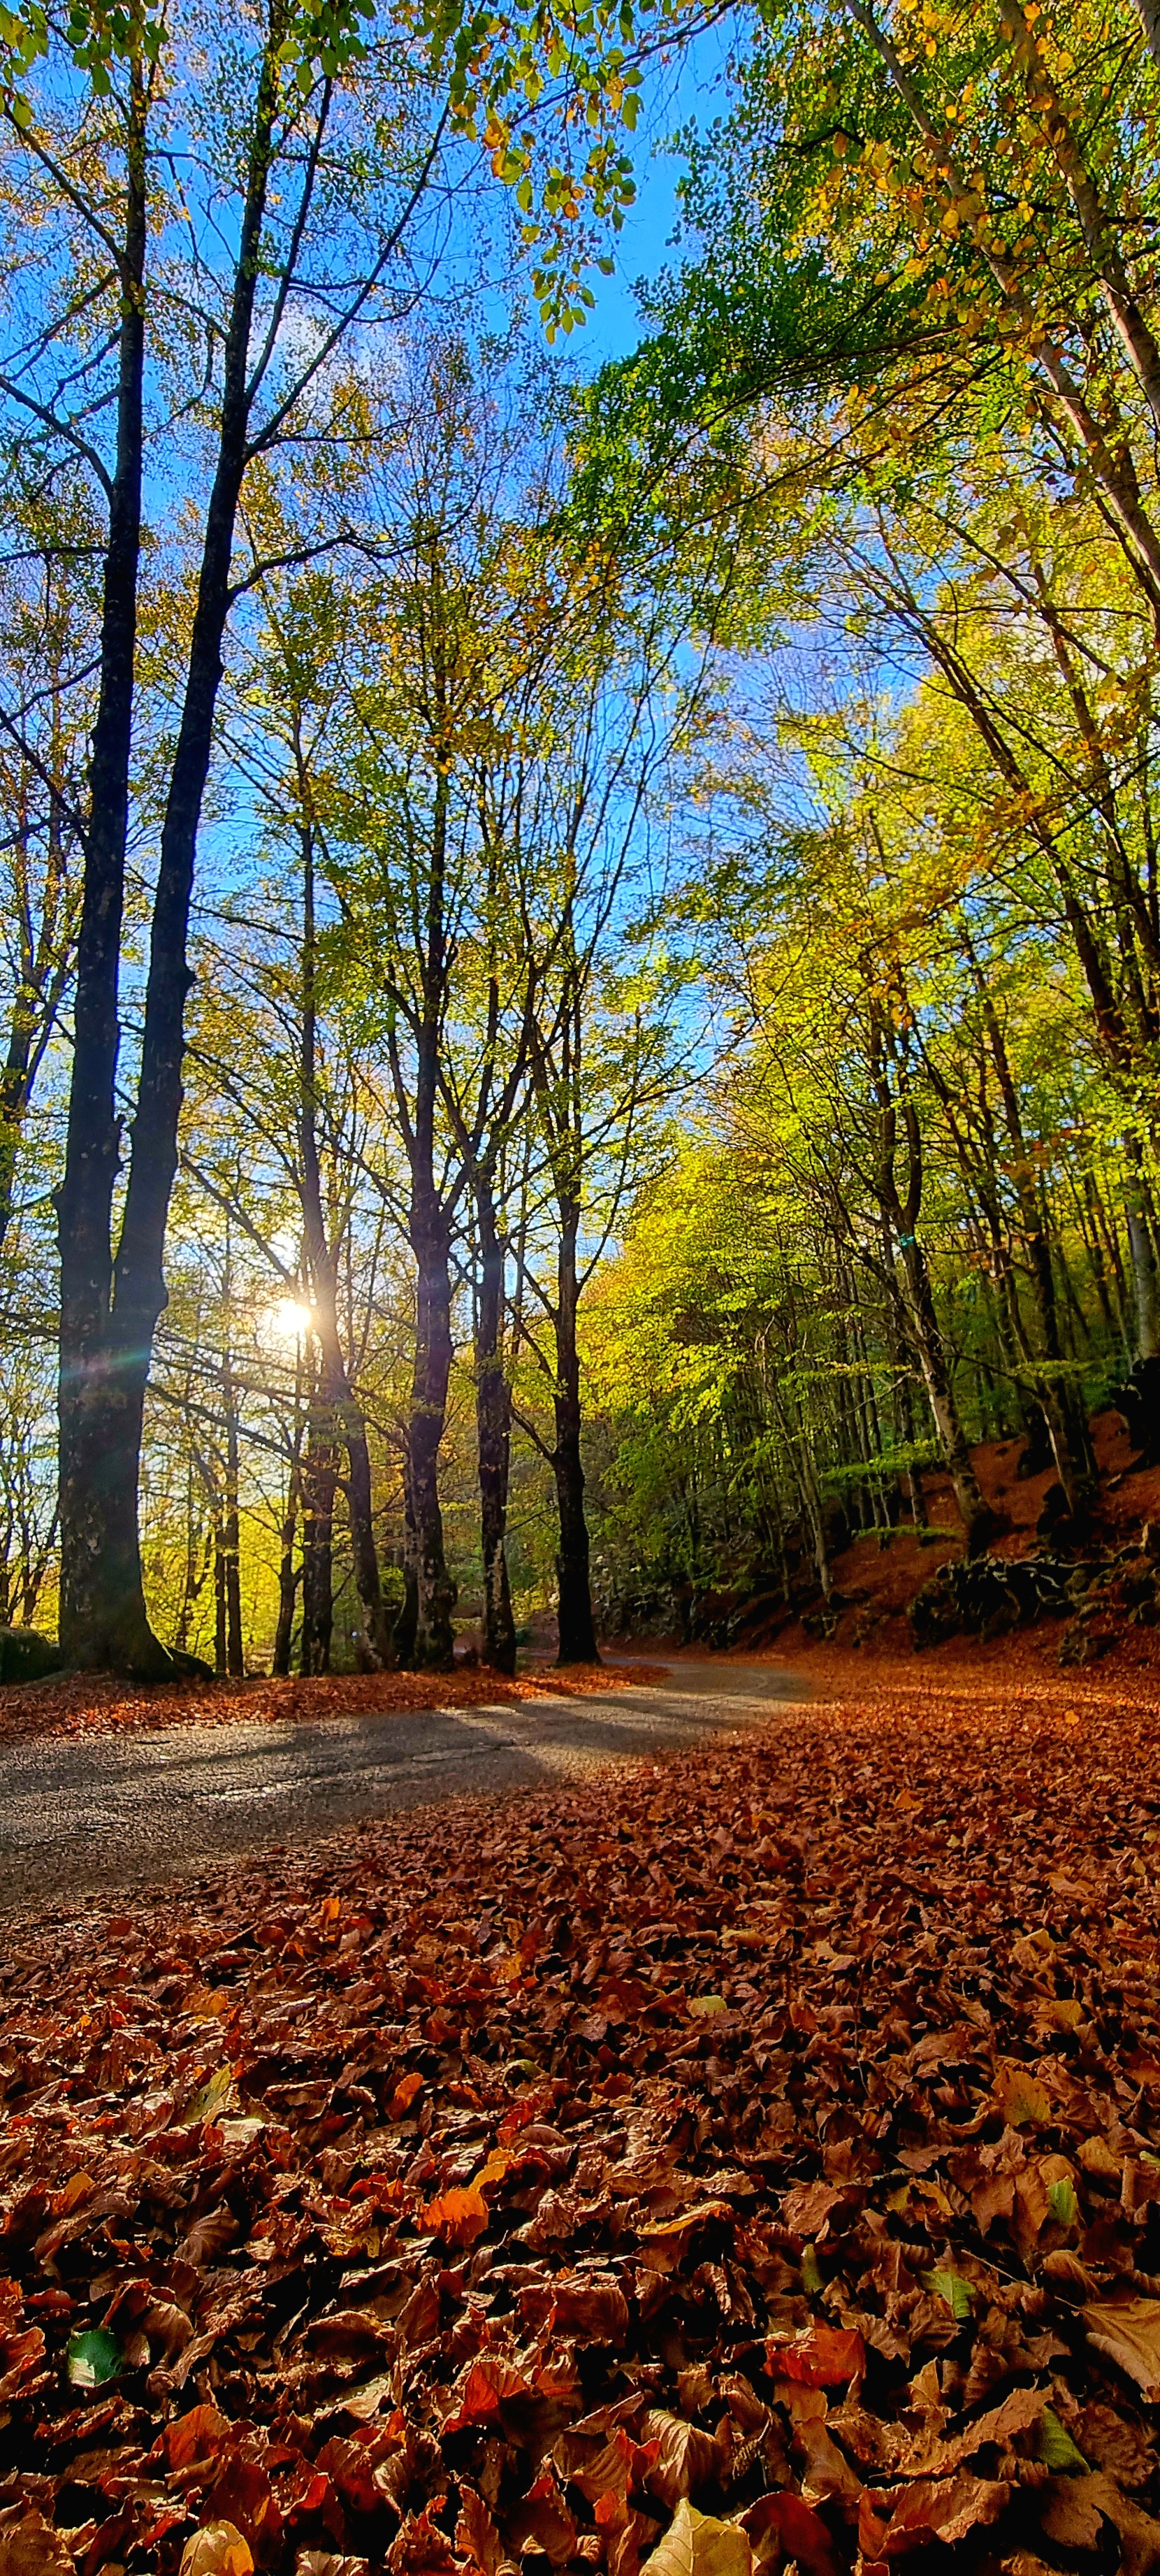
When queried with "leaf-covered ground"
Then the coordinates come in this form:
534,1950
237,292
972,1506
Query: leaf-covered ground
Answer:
752,2158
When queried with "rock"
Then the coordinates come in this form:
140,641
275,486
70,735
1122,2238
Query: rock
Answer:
983,1596
26,1656
1138,1404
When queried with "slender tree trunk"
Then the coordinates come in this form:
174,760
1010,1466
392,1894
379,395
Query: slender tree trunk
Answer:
976,1515
434,1645
41,983
102,1604
1093,1246
407,1623
493,1427
287,1579
429,1234
577,1629
799,1450
1143,1265
1064,1414
191,1585
231,1532
34,1571
1109,1236
219,1599
319,1481
916,1295
104,1620
14,1092
324,1294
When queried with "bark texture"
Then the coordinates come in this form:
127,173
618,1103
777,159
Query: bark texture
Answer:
109,1312
577,1625
102,1603
493,1427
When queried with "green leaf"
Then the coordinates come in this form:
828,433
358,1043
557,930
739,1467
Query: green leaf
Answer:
1054,2445
1062,2202
954,2292
811,2272
213,2096
93,2357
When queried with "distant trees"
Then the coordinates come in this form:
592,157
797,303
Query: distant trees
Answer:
836,607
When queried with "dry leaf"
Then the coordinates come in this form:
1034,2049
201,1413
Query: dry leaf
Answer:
696,2544
1128,2331
218,2549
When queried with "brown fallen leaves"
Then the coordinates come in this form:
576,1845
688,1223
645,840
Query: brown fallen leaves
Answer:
404,2211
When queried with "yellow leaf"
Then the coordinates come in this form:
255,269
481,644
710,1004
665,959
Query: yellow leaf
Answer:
1022,2101
218,2549
698,2544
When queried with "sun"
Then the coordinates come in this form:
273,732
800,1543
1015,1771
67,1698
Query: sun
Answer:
289,1320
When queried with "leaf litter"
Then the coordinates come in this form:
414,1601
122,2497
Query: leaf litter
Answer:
405,2205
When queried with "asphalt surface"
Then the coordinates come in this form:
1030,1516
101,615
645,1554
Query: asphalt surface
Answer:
81,1814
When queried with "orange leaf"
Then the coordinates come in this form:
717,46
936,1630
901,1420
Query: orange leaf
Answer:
195,2436
458,2217
487,2384
405,2092
823,2357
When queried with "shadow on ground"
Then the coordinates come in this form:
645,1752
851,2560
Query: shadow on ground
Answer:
81,1814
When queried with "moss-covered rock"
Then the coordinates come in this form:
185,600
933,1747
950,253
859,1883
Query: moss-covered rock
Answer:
26,1656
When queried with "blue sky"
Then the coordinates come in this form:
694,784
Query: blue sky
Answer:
692,92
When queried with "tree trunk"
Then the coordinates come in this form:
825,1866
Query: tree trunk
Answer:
102,1604
324,1294
1143,1266
434,1643
219,1600
1063,1413
287,1580
407,1623
577,1630
319,1480
914,1284
977,1517
107,1345
493,1427
231,1533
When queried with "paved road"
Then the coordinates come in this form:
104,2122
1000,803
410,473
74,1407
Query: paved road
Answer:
101,1811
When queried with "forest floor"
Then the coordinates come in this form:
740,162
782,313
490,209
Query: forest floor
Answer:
771,2127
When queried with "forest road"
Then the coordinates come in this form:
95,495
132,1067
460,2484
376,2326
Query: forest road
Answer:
81,1814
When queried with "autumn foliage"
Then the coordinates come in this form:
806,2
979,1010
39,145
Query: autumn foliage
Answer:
744,2162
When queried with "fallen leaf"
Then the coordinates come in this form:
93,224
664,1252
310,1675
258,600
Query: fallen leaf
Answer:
821,2357
697,2544
1128,2332
458,2217
218,2549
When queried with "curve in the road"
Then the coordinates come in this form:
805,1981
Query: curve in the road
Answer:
78,1815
